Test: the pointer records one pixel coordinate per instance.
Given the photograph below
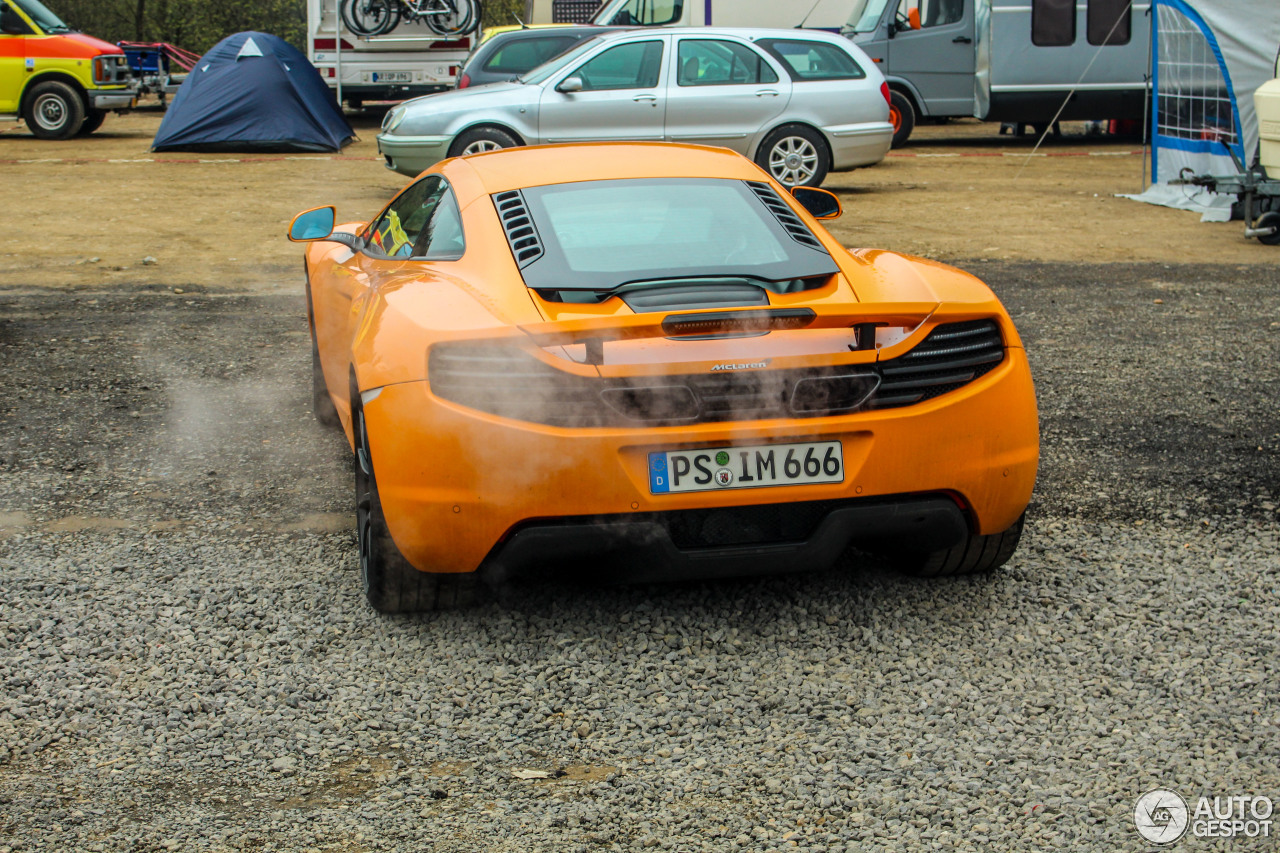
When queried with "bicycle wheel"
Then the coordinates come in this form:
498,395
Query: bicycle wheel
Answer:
370,17
452,17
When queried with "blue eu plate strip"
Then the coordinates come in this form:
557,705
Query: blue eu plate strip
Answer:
659,483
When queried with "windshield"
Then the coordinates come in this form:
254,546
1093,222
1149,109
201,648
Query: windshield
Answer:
598,235
551,66
642,13
866,15
43,18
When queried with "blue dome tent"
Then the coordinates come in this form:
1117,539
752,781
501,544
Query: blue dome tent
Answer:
253,92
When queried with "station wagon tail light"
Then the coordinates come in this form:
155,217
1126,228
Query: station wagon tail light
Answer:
465,81
884,90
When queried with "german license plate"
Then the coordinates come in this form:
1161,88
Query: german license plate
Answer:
392,77
711,468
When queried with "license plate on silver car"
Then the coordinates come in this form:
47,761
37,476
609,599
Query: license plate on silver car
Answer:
392,77
711,468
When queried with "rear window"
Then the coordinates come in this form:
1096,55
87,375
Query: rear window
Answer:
813,60
601,234
521,55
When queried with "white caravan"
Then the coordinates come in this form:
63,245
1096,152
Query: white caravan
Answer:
409,61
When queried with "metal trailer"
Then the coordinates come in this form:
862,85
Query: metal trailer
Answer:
409,61
1258,196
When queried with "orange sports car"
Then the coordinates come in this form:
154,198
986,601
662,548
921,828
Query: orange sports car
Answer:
652,360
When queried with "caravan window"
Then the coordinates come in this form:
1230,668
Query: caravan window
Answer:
1053,23
1109,21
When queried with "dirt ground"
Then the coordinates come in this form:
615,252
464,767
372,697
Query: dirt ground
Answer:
105,210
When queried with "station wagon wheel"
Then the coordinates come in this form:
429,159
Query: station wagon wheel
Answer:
391,584
477,140
53,110
796,156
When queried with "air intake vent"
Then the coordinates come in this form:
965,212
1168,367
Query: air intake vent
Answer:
521,233
784,214
951,356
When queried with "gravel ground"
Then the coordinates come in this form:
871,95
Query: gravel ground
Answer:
187,661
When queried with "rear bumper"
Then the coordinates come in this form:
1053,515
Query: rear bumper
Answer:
859,144
458,485
721,543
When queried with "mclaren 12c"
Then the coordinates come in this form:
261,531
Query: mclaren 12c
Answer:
651,361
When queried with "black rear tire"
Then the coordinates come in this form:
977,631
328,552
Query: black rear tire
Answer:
53,110
92,121
391,583
972,555
903,117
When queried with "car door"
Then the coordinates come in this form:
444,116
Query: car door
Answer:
421,224
622,95
722,92
13,56
939,57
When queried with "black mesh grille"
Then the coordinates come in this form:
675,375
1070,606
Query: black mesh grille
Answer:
511,383
518,224
951,356
744,525
792,223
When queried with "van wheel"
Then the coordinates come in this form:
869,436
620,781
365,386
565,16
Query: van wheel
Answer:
53,110
92,121
795,155
477,140
390,583
902,115
971,555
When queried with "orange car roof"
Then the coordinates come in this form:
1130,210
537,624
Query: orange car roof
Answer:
514,168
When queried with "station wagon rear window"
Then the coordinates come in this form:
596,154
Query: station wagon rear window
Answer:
813,60
601,234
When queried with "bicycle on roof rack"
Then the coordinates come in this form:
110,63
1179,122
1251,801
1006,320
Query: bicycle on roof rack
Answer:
379,17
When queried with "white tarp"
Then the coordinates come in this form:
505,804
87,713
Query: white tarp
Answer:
1209,57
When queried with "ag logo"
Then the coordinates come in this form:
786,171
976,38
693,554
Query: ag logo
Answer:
1161,816
723,476
722,458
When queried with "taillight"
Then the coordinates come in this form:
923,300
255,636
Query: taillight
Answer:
507,381
884,90
464,81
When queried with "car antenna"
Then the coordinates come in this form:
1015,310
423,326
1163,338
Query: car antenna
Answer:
522,24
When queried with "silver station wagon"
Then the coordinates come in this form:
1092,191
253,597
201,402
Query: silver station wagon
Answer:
799,102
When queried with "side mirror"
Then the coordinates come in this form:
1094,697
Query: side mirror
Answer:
317,224
569,85
821,204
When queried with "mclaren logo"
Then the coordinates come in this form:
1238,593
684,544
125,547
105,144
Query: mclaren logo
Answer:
745,365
